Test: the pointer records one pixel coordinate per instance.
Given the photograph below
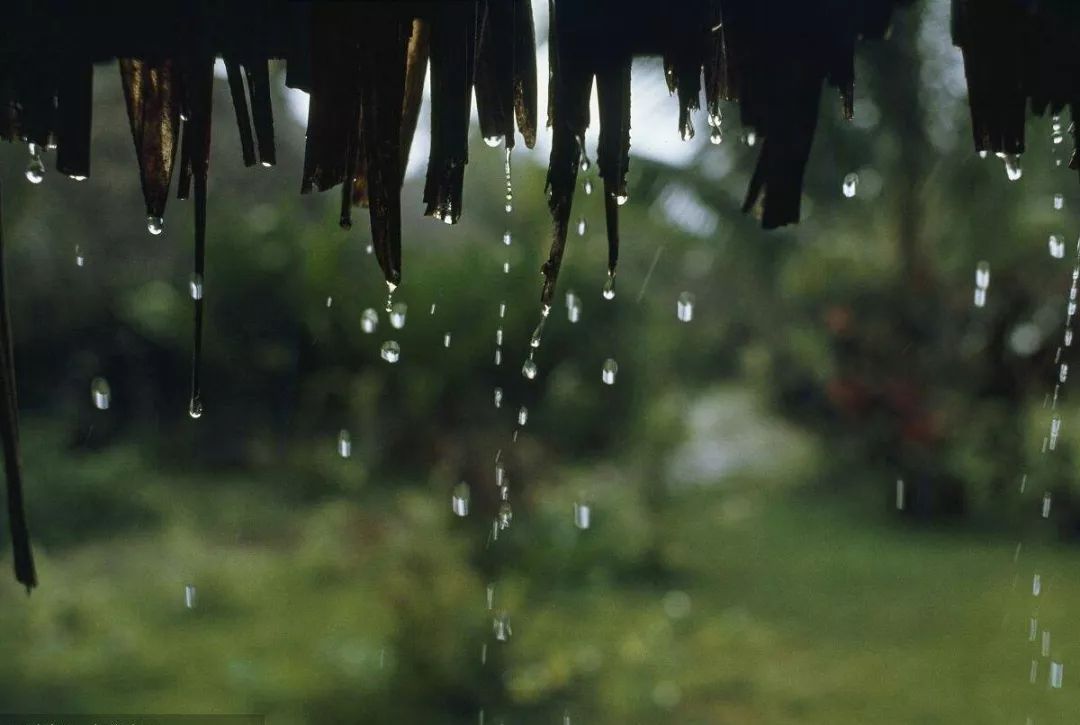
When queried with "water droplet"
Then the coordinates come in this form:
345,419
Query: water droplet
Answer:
507,237
684,307
390,287
190,596
983,154
329,302
491,596
1068,337
982,274
687,131
35,169
621,199
529,369
1046,505
459,501
397,315
1063,372
498,356
155,225
1059,201
502,310
523,415
267,165
1036,585
608,372
391,351
582,225
77,177
899,494
80,260
498,336
609,286
1057,247
716,136
751,138
1055,430
446,340
195,287
501,627
369,320
344,444
851,185
498,397
506,268
1033,629
1057,675
100,393
582,515
195,407
585,163
493,141
980,297
500,475
369,249
1013,170
573,307
587,186
506,514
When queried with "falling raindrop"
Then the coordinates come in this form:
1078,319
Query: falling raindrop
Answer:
1036,585
195,407
502,310
509,207
573,307
1063,372
1068,337
1045,649
493,141
155,225
523,415
529,369
491,596
344,444
899,494
77,177
684,307
446,340
621,199
1057,675
498,336
1013,170
390,287
459,501
35,170
505,515
190,596
850,185
582,225
751,138
716,136
506,268
329,302
498,397
195,287
980,297
501,627
397,315
507,237
587,186
1046,505
100,393
609,286
1057,247
582,515
498,356
1059,201
369,320
1055,430
982,274
391,351
608,372
80,260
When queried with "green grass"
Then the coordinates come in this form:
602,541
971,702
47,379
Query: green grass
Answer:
745,602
